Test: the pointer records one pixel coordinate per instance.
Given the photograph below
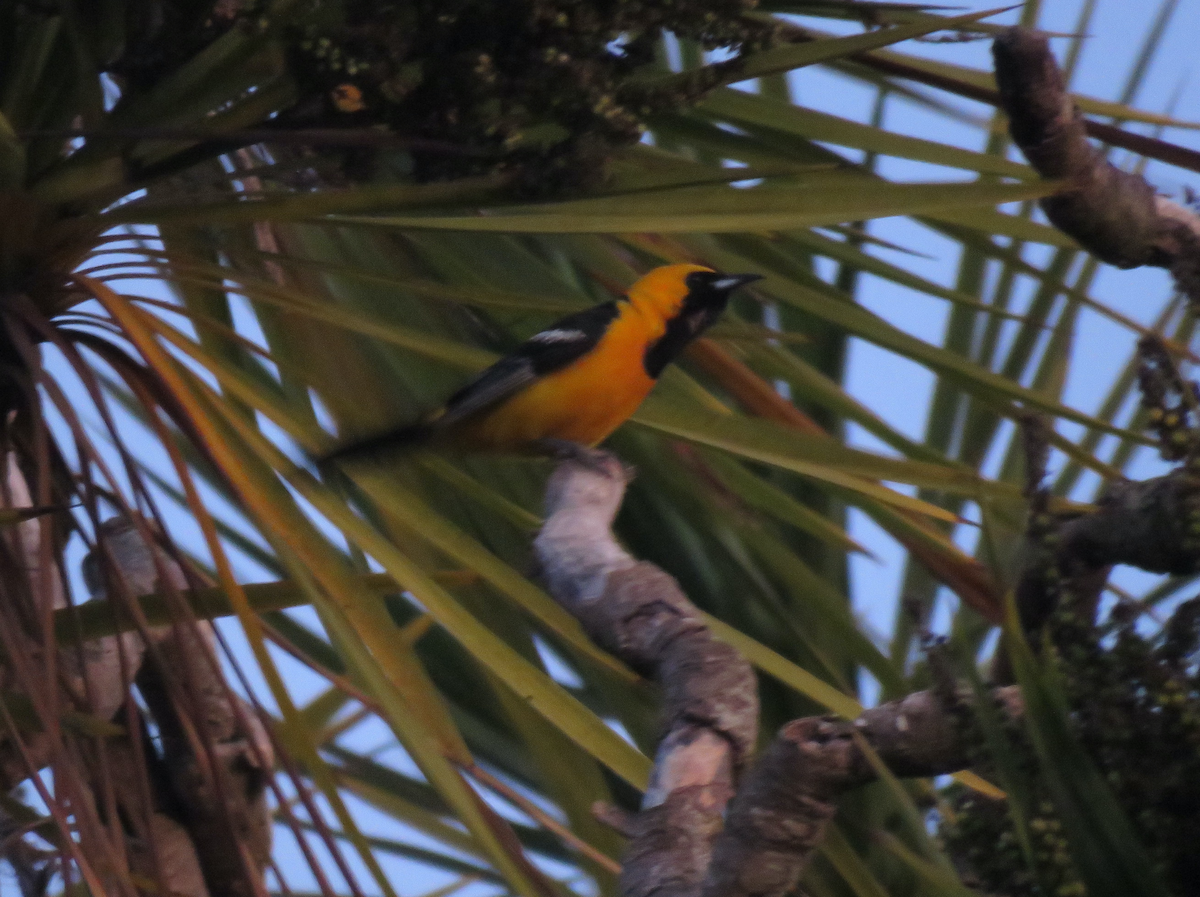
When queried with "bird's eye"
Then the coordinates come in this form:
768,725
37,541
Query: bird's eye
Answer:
698,280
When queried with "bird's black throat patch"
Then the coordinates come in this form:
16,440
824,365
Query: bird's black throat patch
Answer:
701,308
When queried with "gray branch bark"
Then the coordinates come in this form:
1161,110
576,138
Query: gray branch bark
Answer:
158,848
216,752
95,676
678,845
1145,524
1115,215
194,817
91,678
778,818
638,612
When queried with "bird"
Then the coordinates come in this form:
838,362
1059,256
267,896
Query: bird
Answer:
566,389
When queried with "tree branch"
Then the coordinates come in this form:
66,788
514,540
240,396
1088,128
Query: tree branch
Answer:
95,676
1152,524
216,752
638,612
159,847
779,815
22,551
1144,524
1114,214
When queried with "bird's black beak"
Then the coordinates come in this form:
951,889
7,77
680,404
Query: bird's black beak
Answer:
733,281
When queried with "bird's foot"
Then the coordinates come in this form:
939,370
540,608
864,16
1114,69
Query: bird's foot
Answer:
601,461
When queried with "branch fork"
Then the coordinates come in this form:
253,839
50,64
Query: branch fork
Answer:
711,823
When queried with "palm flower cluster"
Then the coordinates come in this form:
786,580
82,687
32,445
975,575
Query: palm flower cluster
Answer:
1135,708
541,89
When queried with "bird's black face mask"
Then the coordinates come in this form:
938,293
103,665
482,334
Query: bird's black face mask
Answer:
708,294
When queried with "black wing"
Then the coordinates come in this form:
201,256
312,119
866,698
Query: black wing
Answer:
543,353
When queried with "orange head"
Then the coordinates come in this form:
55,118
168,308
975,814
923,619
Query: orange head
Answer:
660,293
680,302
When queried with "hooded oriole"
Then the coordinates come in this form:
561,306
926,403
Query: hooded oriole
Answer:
577,381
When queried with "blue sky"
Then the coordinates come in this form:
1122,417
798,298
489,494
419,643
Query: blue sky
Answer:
899,390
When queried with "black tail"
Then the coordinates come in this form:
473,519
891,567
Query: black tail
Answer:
402,438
